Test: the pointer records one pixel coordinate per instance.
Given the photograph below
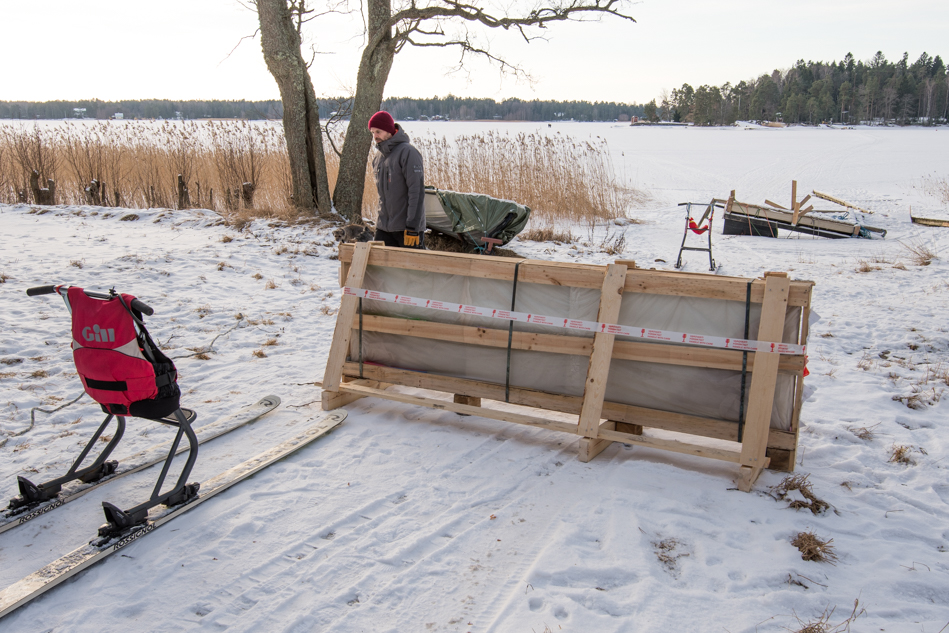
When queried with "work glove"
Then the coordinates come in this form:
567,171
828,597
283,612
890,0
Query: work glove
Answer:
411,238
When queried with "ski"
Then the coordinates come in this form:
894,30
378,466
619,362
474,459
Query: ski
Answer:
139,461
57,572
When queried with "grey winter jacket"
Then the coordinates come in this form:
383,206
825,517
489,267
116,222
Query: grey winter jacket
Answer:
400,183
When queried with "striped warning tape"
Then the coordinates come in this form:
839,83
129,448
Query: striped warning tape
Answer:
577,324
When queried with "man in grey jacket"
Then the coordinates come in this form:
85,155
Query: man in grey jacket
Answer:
400,182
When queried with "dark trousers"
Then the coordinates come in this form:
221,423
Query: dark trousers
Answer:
397,239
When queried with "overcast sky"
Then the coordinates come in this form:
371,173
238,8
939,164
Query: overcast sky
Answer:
182,49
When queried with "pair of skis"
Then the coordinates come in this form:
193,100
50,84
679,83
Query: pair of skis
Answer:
57,572
140,461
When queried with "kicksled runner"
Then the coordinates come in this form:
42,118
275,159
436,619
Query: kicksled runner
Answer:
123,370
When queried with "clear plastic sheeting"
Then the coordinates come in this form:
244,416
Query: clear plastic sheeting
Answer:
712,393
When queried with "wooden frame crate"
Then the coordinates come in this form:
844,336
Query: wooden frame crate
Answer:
599,421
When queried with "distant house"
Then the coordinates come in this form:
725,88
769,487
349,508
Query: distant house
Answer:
79,113
118,115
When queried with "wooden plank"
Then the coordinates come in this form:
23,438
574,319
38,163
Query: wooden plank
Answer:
799,391
753,210
590,448
348,305
507,416
598,370
358,387
842,203
621,413
334,399
775,205
664,354
929,221
573,275
675,446
763,381
794,206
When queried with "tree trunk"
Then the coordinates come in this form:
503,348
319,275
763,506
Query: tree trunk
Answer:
301,115
371,80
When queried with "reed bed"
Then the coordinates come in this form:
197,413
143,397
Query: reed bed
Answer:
137,164
560,178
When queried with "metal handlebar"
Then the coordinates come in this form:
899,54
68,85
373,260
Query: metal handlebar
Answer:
138,305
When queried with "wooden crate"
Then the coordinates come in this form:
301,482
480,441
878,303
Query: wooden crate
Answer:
598,422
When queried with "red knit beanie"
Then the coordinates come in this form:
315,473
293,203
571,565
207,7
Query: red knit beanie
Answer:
382,120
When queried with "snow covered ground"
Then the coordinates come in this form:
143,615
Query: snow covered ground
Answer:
409,519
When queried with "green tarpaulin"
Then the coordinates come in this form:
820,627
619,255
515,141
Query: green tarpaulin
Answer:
470,216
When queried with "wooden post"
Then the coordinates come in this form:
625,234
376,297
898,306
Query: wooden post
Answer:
344,319
41,195
184,199
598,370
794,205
763,380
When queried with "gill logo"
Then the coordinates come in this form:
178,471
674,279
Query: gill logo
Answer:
99,335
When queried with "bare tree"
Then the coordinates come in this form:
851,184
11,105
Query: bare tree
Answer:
387,31
280,26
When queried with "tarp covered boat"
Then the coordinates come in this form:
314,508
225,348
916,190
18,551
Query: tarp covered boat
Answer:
468,217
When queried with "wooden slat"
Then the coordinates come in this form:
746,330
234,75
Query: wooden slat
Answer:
357,387
651,418
673,445
573,275
334,399
664,354
598,370
348,305
506,416
763,381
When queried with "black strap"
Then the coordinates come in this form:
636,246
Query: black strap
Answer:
744,367
510,336
107,385
143,337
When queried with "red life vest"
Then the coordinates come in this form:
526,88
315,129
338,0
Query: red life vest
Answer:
119,364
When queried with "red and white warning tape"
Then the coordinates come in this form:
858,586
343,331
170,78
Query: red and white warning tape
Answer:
576,324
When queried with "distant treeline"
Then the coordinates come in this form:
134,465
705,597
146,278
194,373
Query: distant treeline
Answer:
402,109
848,91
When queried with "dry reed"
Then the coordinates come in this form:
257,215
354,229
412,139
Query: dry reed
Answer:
136,164
814,548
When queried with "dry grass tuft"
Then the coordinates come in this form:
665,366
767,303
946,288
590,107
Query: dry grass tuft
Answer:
799,483
270,285
202,356
547,233
76,263
328,311
666,552
11,361
227,239
4,277
815,549
259,353
822,623
863,266
40,373
919,252
203,311
901,454
864,433
270,342
936,187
